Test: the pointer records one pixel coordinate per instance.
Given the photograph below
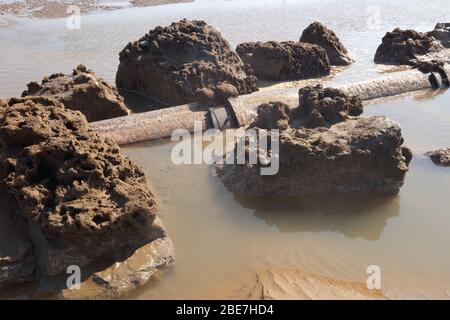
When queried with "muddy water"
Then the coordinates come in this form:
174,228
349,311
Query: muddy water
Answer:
220,237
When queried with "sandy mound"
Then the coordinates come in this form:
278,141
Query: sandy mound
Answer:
83,200
188,61
317,33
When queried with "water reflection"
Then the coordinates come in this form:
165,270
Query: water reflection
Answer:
351,215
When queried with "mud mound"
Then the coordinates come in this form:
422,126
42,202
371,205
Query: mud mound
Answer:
317,33
359,155
83,200
279,61
82,91
185,62
404,46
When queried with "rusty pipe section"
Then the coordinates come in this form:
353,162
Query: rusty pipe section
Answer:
239,111
408,81
151,125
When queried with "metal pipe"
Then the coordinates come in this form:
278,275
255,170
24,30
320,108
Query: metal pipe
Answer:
152,125
237,112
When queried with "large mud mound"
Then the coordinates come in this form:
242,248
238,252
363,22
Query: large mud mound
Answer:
360,155
317,33
82,199
337,154
279,61
82,91
188,61
405,46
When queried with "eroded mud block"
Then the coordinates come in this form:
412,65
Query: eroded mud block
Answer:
405,46
317,33
84,202
339,154
290,60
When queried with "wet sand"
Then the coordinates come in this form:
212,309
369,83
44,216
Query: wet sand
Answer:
58,8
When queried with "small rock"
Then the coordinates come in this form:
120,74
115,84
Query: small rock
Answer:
440,157
126,275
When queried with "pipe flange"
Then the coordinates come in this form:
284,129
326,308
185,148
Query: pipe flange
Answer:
220,118
436,80
445,75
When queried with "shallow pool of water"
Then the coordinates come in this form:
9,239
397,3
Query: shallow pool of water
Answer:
219,236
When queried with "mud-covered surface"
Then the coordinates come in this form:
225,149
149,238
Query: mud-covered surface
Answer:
83,201
188,61
317,33
440,157
84,91
60,8
405,46
278,61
